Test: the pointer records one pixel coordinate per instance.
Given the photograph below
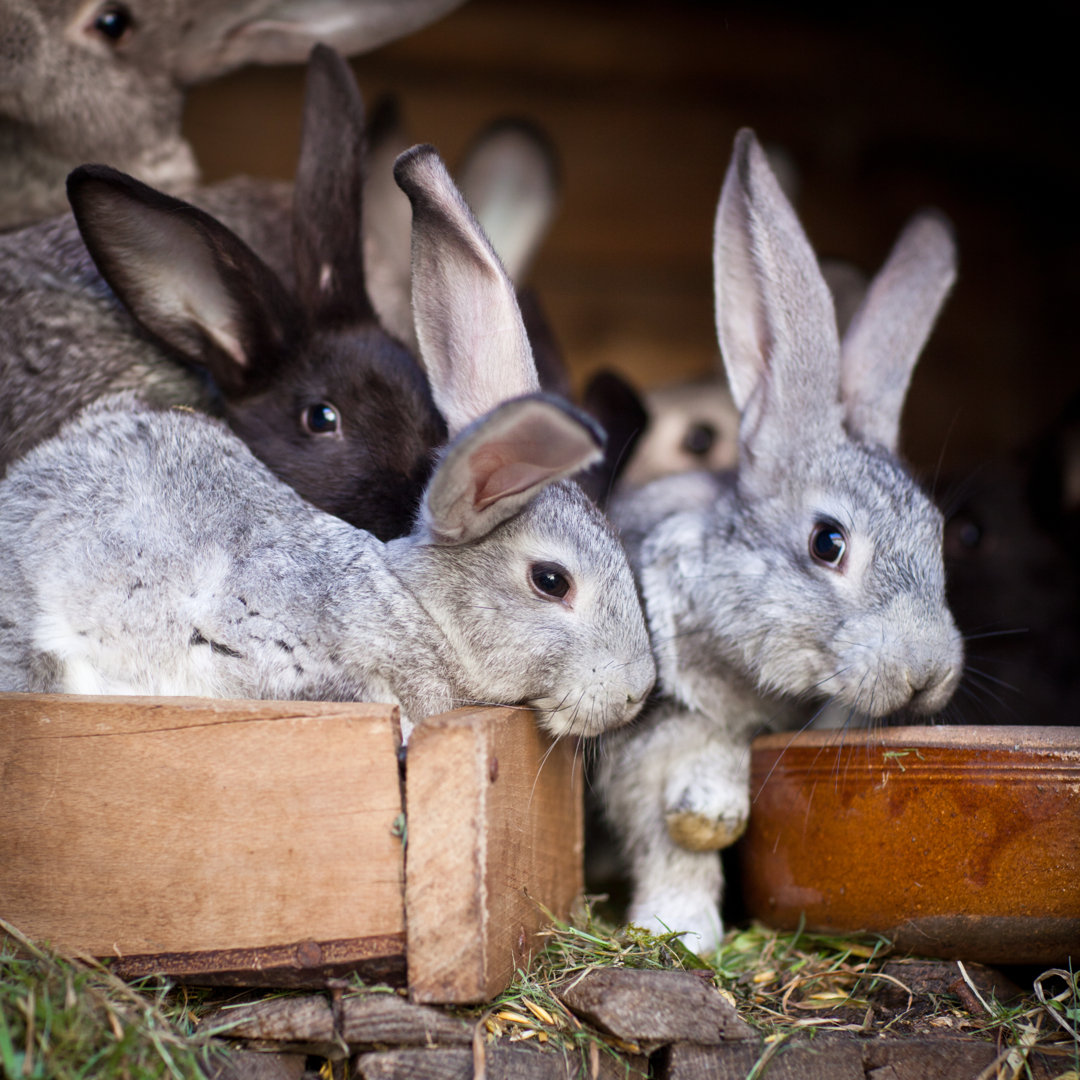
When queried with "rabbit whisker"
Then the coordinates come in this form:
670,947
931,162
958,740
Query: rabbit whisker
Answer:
996,633
986,675
540,769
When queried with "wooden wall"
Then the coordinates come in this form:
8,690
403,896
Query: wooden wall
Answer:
880,113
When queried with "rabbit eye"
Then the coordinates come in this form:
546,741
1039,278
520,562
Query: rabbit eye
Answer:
113,22
828,543
699,439
321,419
550,580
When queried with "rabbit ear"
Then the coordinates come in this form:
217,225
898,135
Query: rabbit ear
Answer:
614,402
472,340
847,284
388,224
186,278
223,36
499,463
774,315
510,178
891,326
327,233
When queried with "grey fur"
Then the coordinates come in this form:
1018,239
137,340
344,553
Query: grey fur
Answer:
193,291
148,551
748,627
70,93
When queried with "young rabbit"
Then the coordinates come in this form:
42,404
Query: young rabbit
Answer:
148,551
321,393
105,80
812,572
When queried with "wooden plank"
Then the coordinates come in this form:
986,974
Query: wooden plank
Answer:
196,835
495,829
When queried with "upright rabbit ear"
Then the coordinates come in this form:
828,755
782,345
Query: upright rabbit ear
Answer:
848,285
890,328
327,230
217,37
472,340
774,315
498,464
510,178
186,278
614,402
388,225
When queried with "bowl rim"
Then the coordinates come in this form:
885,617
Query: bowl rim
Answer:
1016,738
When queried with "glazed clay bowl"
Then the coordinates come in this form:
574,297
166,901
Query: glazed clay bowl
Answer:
952,841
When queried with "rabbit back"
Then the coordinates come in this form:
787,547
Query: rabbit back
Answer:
150,552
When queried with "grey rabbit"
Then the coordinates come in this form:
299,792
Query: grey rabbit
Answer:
105,80
147,551
811,574
328,399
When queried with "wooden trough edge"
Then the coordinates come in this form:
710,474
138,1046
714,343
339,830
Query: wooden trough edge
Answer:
231,842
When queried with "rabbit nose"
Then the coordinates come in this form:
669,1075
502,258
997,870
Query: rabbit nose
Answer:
931,690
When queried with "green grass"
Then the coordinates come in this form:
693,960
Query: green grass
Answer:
782,983
68,1019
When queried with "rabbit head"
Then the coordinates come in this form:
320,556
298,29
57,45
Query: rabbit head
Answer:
840,553
104,80
681,427
333,404
520,569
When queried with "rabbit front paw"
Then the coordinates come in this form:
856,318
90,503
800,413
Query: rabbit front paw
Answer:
706,812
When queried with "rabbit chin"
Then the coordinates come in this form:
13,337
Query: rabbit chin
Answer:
588,712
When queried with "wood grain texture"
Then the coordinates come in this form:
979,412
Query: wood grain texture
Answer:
142,826
495,830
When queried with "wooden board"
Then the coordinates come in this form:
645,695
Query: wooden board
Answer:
495,831
203,837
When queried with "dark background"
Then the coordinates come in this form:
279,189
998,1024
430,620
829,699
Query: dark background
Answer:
881,112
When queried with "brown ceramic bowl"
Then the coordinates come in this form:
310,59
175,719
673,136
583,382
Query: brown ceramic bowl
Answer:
953,841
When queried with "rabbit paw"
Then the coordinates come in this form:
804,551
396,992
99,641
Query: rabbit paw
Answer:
707,811
695,918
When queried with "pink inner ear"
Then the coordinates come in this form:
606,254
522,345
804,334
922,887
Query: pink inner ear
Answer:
499,471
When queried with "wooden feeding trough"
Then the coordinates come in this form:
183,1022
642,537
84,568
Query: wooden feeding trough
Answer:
279,843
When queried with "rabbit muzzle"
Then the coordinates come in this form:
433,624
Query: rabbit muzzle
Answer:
613,695
907,657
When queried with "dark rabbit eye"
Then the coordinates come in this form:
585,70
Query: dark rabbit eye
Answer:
963,537
699,439
321,419
828,543
113,22
549,579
